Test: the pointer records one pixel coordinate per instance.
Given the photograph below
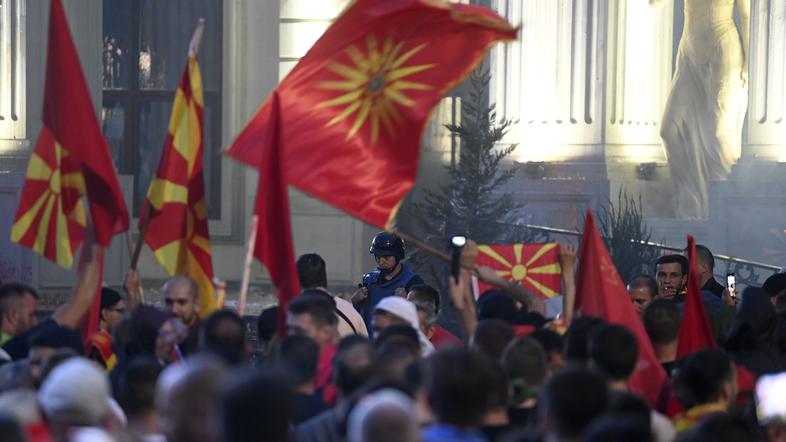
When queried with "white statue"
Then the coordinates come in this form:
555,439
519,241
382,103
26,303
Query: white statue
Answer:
702,122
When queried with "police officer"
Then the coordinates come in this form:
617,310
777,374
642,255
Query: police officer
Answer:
392,276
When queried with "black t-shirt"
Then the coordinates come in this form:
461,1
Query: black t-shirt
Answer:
19,346
307,406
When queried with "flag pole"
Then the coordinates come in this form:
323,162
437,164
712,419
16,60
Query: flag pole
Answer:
252,239
426,247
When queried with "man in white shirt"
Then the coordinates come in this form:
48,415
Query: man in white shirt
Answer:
313,277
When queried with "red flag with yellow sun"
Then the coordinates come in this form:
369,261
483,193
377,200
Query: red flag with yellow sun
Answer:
353,110
535,266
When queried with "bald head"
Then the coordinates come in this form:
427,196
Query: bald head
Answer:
181,296
185,399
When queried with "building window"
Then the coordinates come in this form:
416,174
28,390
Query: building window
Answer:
145,45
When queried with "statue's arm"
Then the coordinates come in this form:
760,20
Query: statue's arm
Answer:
744,10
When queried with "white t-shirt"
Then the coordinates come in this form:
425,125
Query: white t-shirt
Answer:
354,317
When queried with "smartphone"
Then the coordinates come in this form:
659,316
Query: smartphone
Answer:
457,245
771,397
731,284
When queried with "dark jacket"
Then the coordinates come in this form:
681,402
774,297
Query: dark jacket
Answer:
751,336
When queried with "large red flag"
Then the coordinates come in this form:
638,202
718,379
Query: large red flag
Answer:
273,245
601,293
695,329
354,108
71,159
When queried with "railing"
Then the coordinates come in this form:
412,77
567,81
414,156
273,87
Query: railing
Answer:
747,272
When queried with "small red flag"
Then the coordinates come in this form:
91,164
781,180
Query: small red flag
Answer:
273,246
535,266
695,329
601,293
355,106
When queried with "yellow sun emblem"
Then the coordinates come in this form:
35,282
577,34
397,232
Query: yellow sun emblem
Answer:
374,85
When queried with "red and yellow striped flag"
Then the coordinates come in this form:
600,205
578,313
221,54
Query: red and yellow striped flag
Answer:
535,266
178,231
70,160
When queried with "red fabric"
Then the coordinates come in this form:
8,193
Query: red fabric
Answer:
38,432
274,246
90,322
443,338
746,385
535,266
695,330
601,293
324,378
355,107
69,115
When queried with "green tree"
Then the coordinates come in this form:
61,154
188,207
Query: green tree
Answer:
472,201
626,236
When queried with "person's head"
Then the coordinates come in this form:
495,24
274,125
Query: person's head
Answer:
552,344
385,415
426,300
491,337
223,333
113,307
313,316
181,298
394,310
136,387
388,251
642,290
75,394
44,343
614,352
354,365
493,304
311,271
775,287
267,324
396,355
143,329
18,304
571,400
298,356
662,321
705,377
705,263
525,364
171,333
186,396
671,272
254,406
456,384
578,336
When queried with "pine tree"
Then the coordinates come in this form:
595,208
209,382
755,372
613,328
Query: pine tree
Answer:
472,201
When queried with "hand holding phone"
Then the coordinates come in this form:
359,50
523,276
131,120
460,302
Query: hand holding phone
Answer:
731,284
456,244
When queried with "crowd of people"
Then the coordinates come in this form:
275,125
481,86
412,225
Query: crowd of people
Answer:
380,366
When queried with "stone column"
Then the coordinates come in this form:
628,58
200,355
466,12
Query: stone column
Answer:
766,138
550,79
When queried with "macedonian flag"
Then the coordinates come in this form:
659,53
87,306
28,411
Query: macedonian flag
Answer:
353,110
535,266
70,160
175,205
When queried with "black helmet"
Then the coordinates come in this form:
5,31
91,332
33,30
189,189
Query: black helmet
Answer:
387,244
